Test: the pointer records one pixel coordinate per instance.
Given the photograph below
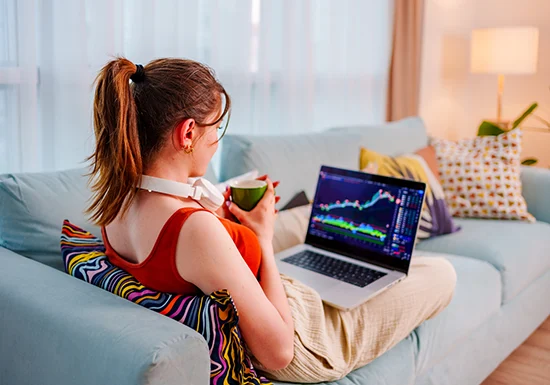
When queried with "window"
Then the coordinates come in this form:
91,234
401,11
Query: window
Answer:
9,83
290,66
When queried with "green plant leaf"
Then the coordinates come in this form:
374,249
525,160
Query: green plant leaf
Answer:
529,161
525,114
489,129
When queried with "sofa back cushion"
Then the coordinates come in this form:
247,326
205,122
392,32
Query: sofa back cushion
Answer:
32,209
295,160
395,138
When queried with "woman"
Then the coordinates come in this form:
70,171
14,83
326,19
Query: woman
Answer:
164,124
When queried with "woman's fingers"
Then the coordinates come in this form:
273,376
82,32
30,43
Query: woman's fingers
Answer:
237,212
269,196
265,177
270,188
227,193
270,191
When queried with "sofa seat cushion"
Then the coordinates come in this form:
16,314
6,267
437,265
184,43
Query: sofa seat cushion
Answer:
477,297
519,250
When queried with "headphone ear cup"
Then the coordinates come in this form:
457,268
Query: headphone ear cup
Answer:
212,198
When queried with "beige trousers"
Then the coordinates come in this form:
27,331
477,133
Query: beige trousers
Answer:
330,343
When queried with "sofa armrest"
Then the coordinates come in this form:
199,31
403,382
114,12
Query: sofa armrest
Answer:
56,329
536,190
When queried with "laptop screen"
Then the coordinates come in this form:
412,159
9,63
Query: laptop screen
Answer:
368,217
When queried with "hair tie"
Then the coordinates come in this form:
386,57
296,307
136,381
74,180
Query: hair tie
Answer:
139,75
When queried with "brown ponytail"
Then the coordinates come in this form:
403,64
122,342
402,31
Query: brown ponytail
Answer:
132,120
117,142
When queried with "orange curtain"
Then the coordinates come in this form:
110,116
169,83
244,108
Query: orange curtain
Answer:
404,77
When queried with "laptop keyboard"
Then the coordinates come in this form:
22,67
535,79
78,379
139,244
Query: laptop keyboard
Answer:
334,268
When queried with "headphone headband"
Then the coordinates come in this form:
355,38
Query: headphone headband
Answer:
201,191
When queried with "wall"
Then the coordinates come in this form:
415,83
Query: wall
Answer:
453,101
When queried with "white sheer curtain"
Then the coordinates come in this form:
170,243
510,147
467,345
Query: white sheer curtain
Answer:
290,66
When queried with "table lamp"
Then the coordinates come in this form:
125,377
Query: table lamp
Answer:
504,51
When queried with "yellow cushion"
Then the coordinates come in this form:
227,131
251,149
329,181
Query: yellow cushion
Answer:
436,219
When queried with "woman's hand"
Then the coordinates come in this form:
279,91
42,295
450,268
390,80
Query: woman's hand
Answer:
261,219
223,211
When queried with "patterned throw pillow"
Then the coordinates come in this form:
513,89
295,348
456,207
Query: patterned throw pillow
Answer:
481,176
214,316
436,219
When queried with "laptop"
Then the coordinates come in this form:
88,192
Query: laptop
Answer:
360,237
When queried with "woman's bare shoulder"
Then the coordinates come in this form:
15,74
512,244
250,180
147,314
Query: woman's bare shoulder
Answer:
202,225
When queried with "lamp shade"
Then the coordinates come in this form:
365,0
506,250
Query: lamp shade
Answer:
504,50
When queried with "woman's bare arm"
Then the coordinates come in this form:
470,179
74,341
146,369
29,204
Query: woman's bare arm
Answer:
207,257
270,280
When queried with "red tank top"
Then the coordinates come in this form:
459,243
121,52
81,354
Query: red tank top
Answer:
158,271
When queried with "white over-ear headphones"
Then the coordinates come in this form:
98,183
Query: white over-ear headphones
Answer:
202,191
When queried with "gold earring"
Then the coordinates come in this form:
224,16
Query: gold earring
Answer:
188,150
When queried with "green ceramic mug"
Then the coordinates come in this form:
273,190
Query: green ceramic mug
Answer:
247,193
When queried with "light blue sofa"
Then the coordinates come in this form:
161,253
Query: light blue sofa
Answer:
55,329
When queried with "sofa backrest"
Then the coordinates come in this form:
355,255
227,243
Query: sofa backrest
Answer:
295,160
34,205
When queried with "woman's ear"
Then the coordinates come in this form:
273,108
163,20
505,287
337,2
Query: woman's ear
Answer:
185,134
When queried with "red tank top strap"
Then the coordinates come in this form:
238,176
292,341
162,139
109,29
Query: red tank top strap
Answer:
169,234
